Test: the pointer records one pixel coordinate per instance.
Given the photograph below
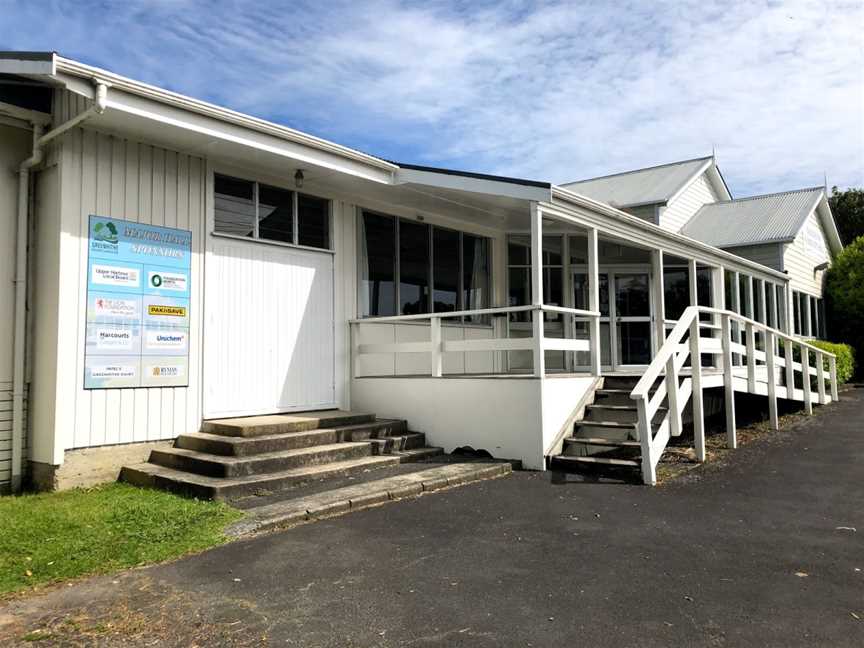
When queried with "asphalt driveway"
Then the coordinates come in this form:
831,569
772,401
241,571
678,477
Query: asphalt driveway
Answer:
766,551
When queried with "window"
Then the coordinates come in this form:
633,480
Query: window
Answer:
676,287
259,211
519,274
408,267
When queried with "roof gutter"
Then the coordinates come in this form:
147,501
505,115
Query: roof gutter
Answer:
20,322
216,112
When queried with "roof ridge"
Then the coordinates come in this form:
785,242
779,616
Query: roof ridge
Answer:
768,195
648,168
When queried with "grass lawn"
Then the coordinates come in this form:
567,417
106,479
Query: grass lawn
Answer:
57,536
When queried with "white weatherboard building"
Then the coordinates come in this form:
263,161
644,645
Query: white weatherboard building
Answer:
168,262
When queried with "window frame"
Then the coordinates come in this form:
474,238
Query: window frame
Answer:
397,269
295,195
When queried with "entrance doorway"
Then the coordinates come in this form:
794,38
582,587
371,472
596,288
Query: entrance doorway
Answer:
626,314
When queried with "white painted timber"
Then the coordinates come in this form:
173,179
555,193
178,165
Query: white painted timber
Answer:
269,343
683,206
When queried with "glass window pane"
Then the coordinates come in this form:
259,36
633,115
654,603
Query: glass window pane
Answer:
519,289
475,274
580,290
445,270
677,291
413,268
275,213
578,249
631,295
634,343
743,288
313,221
758,315
518,249
377,265
729,289
551,250
234,206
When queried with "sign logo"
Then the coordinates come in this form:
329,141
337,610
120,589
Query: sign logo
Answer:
105,232
173,281
155,280
176,311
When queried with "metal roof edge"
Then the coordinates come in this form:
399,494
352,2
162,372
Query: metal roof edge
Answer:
185,102
584,201
621,173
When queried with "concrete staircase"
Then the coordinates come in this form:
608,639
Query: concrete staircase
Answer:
233,458
605,439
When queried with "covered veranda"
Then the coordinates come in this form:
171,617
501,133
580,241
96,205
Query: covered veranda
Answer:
579,291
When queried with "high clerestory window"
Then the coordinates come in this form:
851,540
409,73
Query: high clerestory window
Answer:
408,267
259,211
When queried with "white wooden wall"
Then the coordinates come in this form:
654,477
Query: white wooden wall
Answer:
679,211
770,254
808,250
14,149
111,176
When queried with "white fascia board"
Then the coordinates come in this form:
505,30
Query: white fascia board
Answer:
67,68
627,227
823,208
704,167
474,184
213,129
27,66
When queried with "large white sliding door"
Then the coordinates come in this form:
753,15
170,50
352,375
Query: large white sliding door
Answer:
268,333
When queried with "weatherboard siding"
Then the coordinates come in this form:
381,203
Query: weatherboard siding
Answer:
112,176
808,250
769,254
681,209
14,150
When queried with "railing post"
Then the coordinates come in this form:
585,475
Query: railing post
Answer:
696,366
832,364
435,343
751,358
805,379
788,356
352,350
539,355
649,473
728,385
772,380
594,301
820,377
672,396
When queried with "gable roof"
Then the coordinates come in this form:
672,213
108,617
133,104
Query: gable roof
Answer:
770,218
648,186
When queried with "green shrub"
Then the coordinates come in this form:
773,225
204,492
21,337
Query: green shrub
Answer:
844,292
845,358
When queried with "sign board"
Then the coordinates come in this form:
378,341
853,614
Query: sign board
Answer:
138,281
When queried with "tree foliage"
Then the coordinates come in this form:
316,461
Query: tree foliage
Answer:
848,209
844,286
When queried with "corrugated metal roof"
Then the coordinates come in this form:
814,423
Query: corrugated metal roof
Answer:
640,187
749,221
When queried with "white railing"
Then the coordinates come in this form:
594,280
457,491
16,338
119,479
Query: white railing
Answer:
677,389
436,346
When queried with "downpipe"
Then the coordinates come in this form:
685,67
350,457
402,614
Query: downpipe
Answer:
20,322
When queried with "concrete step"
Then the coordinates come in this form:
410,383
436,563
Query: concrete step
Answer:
239,446
227,467
338,501
397,443
418,454
203,487
255,426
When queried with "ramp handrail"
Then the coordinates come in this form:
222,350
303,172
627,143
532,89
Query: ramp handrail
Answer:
679,390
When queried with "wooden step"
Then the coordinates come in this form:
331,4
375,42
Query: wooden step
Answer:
606,461
599,441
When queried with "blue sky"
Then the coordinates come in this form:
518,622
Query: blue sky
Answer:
549,90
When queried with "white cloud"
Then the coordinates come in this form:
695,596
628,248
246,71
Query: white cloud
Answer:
555,91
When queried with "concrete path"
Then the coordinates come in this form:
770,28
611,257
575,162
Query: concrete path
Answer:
765,551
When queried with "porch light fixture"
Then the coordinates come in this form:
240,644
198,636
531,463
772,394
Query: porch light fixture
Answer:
298,179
